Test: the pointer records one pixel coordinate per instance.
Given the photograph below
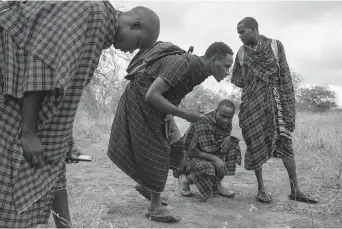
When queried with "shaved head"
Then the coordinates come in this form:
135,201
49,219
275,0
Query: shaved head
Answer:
249,22
227,103
138,28
149,20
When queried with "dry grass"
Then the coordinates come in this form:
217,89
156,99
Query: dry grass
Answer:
318,144
96,187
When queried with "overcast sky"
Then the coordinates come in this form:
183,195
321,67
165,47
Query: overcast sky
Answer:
311,32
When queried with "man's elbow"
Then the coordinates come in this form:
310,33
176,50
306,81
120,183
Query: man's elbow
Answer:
149,97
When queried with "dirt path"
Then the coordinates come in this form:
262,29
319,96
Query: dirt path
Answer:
101,195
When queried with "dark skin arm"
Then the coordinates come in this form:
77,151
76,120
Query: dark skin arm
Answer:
32,146
220,166
155,98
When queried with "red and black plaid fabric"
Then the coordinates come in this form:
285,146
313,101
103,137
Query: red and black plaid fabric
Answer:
267,104
205,136
138,144
44,46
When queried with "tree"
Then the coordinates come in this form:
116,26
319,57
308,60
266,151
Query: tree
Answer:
297,80
319,98
200,99
106,83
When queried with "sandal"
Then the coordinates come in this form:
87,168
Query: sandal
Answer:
263,196
231,195
147,194
306,199
163,216
219,189
184,186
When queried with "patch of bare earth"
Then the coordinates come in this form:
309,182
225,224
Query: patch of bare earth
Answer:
101,195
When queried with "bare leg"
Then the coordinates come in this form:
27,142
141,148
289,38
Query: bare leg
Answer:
156,203
262,195
258,174
147,194
296,194
159,213
60,206
290,166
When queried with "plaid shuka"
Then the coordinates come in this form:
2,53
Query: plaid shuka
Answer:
267,110
53,47
138,143
176,157
205,136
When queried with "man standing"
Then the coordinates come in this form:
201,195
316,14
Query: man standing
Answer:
48,54
267,111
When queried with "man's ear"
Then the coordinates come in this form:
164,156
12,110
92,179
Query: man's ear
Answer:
212,60
136,25
254,29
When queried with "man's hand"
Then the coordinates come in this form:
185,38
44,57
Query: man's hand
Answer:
72,155
168,118
225,144
193,116
33,149
220,167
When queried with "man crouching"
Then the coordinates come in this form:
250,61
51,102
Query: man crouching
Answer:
210,153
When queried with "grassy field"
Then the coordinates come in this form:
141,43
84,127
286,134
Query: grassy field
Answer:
101,195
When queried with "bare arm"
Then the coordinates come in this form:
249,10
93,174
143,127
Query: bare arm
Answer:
201,155
192,139
32,146
155,97
172,70
220,166
237,76
31,105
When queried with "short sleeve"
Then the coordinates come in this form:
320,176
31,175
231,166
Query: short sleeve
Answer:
173,68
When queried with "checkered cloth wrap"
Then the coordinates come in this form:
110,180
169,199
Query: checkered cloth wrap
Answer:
176,156
55,47
205,136
138,144
267,110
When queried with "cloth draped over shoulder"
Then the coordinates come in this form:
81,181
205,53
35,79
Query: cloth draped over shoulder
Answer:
138,144
53,47
205,136
267,103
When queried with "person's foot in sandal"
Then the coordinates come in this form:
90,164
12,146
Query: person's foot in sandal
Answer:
184,185
162,215
225,192
301,197
263,196
147,194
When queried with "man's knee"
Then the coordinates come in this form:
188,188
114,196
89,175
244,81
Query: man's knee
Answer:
205,168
